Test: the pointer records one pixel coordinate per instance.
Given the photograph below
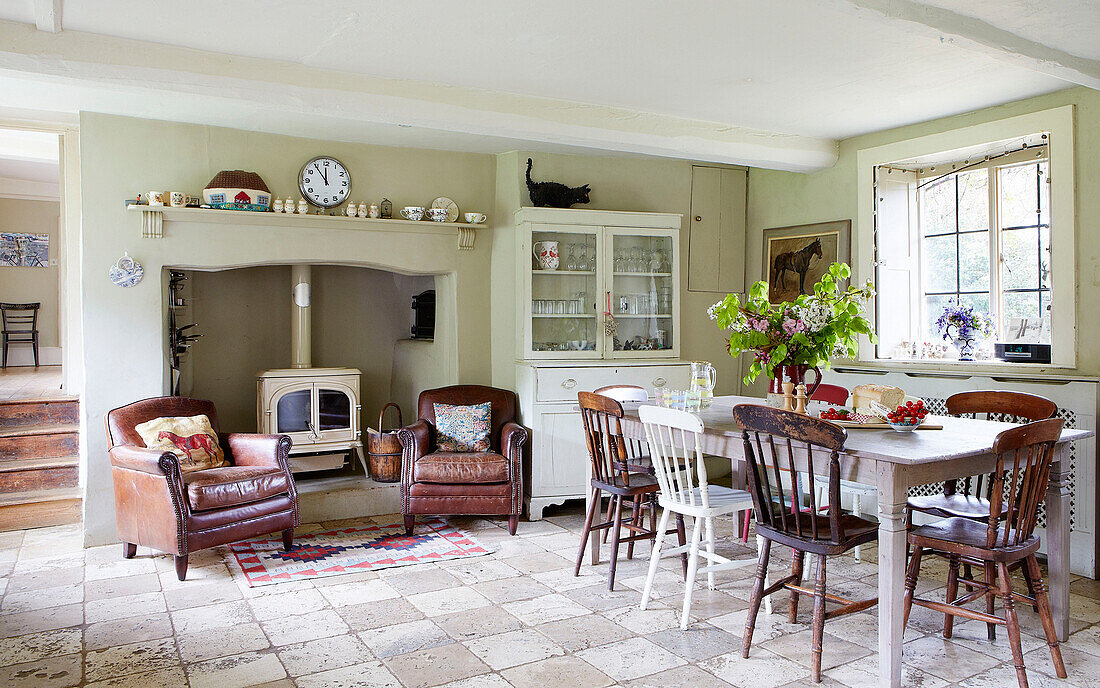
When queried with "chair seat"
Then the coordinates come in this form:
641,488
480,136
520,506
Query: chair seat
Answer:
456,468
968,538
218,488
960,505
857,531
635,483
721,500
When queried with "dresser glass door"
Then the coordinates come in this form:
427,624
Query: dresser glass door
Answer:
643,291
563,307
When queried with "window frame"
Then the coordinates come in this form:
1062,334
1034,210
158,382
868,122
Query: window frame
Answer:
1059,123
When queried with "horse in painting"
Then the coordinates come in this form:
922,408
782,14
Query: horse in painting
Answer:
795,261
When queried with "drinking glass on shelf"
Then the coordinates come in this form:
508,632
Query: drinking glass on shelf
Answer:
536,306
643,304
582,259
571,261
636,259
559,307
620,260
661,260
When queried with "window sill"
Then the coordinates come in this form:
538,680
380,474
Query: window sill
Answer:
954,368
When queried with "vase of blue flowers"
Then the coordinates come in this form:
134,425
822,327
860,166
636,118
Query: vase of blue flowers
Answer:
964,326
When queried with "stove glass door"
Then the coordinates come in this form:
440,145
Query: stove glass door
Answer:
294,411
334,409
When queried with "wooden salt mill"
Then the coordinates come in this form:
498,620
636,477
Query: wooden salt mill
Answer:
788,397
800,399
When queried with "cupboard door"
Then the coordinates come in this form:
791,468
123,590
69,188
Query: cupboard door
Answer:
716,231
642,288
561,318
560,464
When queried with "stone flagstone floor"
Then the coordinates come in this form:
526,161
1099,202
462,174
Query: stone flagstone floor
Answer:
75,617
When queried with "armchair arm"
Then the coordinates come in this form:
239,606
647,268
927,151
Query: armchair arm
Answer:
252,449
512,438
415,439
135,458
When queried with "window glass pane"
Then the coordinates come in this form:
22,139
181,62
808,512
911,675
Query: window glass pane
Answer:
974,261
937,207
1044,193
979,302
1020,259
938,263
973,200
933,307
1044,257
1021,304
1018,195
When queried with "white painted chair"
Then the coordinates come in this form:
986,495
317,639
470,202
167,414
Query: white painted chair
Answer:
673,438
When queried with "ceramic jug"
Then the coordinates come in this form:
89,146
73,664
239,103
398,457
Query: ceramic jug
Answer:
546,252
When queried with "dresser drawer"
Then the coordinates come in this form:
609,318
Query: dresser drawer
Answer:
562,384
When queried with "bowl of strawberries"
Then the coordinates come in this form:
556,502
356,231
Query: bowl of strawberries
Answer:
908,416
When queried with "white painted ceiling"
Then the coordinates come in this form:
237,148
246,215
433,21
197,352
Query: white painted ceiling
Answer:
812,71
28,155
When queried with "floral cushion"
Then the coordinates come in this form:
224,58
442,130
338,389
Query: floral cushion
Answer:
189,437
463,428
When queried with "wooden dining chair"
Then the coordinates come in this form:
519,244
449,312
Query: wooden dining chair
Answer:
673,438
831,394
774,439
609,457
1007,536
20,322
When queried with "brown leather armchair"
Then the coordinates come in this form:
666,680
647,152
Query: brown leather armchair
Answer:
159,506
478,483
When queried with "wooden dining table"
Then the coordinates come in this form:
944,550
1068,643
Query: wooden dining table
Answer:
894,462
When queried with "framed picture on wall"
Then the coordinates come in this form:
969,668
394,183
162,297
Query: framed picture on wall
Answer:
20,250
796,257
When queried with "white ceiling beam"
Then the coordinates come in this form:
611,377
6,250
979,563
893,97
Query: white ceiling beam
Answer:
47,15
285,92
974,34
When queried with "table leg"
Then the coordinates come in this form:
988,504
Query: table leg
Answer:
1057,532
892,494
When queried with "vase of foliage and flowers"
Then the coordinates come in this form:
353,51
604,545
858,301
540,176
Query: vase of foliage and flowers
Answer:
789,339
964,326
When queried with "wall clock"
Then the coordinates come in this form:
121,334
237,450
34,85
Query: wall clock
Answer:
325,181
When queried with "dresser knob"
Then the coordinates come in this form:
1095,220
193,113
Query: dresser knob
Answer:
569,383
659,382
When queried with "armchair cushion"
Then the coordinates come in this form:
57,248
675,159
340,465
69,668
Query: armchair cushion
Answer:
218,488
463,428
461,468
191,438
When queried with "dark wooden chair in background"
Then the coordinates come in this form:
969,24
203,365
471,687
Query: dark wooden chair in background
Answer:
610,457
1024,455
20,327
773,438
970,497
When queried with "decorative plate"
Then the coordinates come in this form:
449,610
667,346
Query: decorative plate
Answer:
451,206
126,272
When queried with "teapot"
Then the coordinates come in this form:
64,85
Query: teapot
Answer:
703,379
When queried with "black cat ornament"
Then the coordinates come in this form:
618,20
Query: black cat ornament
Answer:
553,194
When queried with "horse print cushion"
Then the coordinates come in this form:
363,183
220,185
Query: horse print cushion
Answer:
191,438
463,428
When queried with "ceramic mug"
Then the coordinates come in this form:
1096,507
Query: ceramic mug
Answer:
177,199
546,252
413,212
155,197
437,214
373,211
475,218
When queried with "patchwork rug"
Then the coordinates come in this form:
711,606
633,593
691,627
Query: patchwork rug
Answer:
348,550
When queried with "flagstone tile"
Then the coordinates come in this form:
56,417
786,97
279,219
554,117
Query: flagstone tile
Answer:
398,639
481,569
121,587
513,648
196,647
361,617
201,595
47,578
36,646
544,609
173,676
558,672
537,562
210,617
344,578
301,628
514,547
476,623
42,598
689,675
599,598
41,620
762,669
563,580
296,602
481,681
142,604
629,659
411,580
62,671
512,589
583,632
449,601
323,654
358,592
129,630
120,567
796,647
1082,667
940,657
365,675
697,643
864,672
246,669
435,666
656,617
131,658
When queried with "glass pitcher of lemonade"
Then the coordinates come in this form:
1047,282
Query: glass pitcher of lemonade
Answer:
703,378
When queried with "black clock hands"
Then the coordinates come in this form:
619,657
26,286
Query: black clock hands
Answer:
324,175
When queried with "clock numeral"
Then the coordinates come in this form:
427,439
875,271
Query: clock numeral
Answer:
326,163
341,174
343,183
309,189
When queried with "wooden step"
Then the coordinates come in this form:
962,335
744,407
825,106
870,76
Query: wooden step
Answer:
21,412
23,475
39,508
39,441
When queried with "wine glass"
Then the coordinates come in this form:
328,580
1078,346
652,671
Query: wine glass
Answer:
636,259
571,261
582,259
620,260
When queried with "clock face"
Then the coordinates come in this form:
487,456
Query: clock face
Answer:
325,182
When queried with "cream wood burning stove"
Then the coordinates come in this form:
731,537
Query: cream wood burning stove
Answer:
318,408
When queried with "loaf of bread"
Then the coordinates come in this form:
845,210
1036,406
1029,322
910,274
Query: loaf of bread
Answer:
887,395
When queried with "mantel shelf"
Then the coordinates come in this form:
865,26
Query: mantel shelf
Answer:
154,217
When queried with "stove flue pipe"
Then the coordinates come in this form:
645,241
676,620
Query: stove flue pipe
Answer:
301,333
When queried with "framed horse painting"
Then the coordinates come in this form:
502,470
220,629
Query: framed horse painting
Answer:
796,257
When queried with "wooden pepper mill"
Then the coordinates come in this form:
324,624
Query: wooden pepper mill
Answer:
800,399
788,396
